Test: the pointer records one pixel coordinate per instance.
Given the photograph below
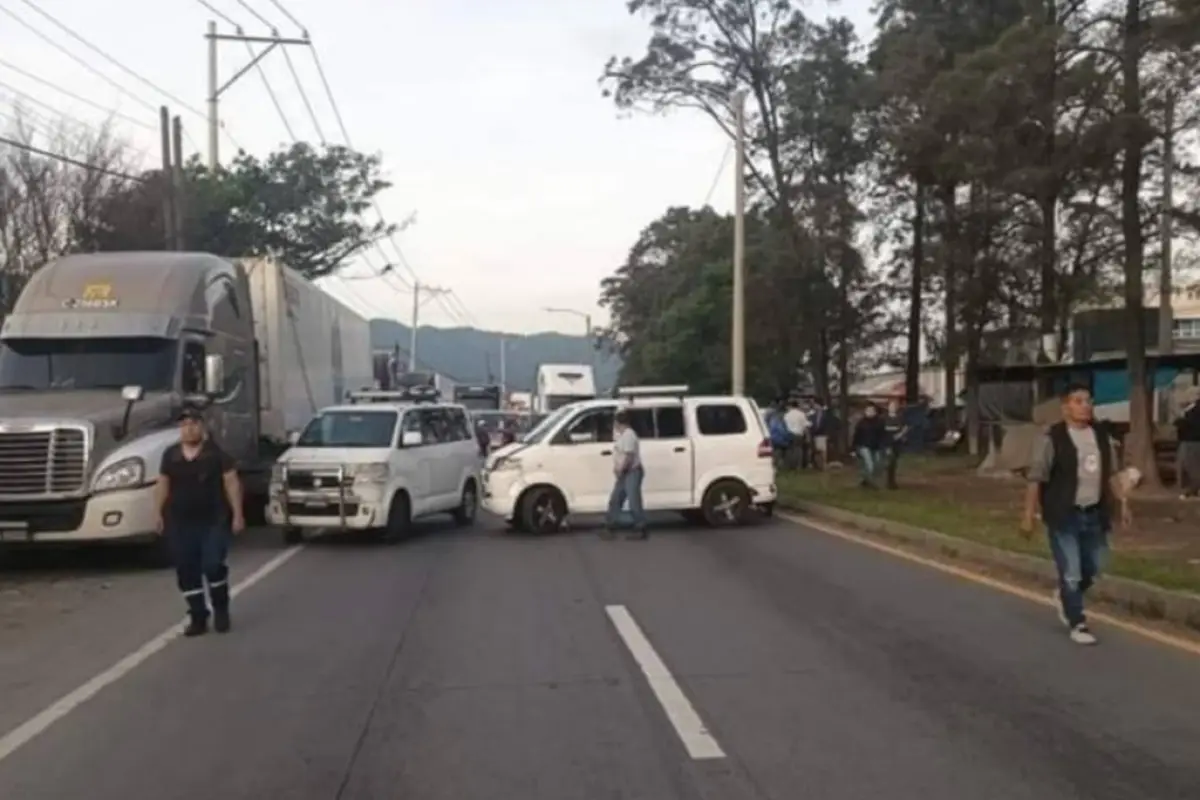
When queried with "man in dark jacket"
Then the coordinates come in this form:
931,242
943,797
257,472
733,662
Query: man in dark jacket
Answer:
869,439
1187,429
1073,477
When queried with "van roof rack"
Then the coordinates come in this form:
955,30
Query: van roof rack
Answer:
671,390
412,394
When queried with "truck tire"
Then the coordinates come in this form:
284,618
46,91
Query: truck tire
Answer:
399,521
464,515
726,503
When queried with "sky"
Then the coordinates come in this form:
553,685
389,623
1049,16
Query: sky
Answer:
527,186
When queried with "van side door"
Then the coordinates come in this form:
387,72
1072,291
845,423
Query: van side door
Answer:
666,453
415,462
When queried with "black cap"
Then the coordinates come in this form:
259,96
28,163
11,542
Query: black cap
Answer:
191,413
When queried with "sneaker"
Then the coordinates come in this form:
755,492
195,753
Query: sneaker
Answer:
1081,635
197,627
221,621
1056,601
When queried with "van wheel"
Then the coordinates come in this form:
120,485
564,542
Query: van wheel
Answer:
543,510
726,503
464,515
399,521
292,536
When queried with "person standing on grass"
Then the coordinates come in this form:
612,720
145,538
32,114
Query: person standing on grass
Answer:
628,475
895,432
199,504
797,424
1187,430
1073,478
868,442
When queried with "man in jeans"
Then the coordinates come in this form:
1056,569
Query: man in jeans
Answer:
1073,476
627,479
200,504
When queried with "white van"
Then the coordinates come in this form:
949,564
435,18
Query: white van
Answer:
376,466
707,457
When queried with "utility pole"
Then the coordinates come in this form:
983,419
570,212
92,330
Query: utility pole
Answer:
1166,293
180,189
421,294
738,335
216,89
503,367
168,180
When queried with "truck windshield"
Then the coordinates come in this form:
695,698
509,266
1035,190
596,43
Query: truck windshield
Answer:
88,363
350,429
556,401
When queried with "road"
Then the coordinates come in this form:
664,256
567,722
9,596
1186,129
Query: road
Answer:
466,665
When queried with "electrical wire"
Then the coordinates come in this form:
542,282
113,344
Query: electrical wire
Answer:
304,96
20,97
720,173
291,19
68,160
132,73
77,97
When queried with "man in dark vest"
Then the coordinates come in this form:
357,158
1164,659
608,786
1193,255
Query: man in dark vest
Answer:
1073,477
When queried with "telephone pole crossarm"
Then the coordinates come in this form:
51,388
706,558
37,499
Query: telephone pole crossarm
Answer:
253,62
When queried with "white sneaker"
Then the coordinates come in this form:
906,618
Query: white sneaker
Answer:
1081,635
1056,601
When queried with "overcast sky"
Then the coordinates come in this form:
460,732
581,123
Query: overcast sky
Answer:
527,187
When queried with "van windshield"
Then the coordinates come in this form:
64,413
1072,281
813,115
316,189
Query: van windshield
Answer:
543,428
349,429
88,363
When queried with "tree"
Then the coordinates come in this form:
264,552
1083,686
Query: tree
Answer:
304,204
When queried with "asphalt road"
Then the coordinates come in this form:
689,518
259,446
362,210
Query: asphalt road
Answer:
468,665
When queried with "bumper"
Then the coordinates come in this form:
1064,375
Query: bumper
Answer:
127,515
500,493
764,494
327,511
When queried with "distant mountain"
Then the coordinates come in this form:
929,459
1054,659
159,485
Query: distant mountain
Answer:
469,355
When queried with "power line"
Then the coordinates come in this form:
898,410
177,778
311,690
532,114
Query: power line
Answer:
68,160
77,97
304,96
132,73
291,19
262,73
28,98
720,173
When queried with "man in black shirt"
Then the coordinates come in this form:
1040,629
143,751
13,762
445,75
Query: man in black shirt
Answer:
200,502
894,439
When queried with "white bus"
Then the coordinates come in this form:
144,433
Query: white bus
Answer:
561,384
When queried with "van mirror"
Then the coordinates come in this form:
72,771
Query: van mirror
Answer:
132,394
411,439
214,374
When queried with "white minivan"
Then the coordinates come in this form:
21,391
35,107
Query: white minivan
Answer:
707,457
376,466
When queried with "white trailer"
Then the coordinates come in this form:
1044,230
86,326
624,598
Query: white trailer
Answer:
312,349
561,384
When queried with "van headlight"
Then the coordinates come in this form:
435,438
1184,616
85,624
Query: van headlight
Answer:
124,474
277,470
370,473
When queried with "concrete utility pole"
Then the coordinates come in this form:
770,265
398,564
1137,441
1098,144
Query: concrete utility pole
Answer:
421,294
504,368
168,180
180,189
738,335
1166,281
216,89
587,328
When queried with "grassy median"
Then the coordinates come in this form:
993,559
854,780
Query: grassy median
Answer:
943,494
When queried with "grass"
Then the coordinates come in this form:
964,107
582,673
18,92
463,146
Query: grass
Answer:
988,514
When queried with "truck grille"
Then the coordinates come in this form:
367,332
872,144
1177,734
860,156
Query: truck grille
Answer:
43,462
307,480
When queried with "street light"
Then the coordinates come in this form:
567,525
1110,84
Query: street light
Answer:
587,321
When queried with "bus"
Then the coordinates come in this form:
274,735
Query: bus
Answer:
487,397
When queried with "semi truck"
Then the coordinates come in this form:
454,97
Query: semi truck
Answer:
562,384
101,353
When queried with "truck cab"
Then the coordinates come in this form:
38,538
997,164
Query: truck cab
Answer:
97,359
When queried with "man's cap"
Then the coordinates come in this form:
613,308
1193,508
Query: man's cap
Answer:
190,413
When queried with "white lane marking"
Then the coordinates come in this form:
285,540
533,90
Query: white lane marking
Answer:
699,743
1188,645
35,726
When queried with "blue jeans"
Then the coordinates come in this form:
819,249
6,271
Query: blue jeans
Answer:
627,487
1079,549
868,463
199,551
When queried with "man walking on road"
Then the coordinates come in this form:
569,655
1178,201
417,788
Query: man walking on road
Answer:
627,479
200,504
1073,476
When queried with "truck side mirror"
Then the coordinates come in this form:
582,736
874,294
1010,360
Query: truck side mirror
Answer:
130,394
214,374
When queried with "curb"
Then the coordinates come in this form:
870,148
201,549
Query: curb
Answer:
1142,599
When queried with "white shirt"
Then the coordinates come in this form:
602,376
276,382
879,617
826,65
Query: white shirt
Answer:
796,421
625,446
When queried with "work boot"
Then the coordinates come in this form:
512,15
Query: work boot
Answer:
197,626
221,620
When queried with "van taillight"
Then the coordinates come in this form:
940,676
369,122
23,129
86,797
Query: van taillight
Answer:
764,449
